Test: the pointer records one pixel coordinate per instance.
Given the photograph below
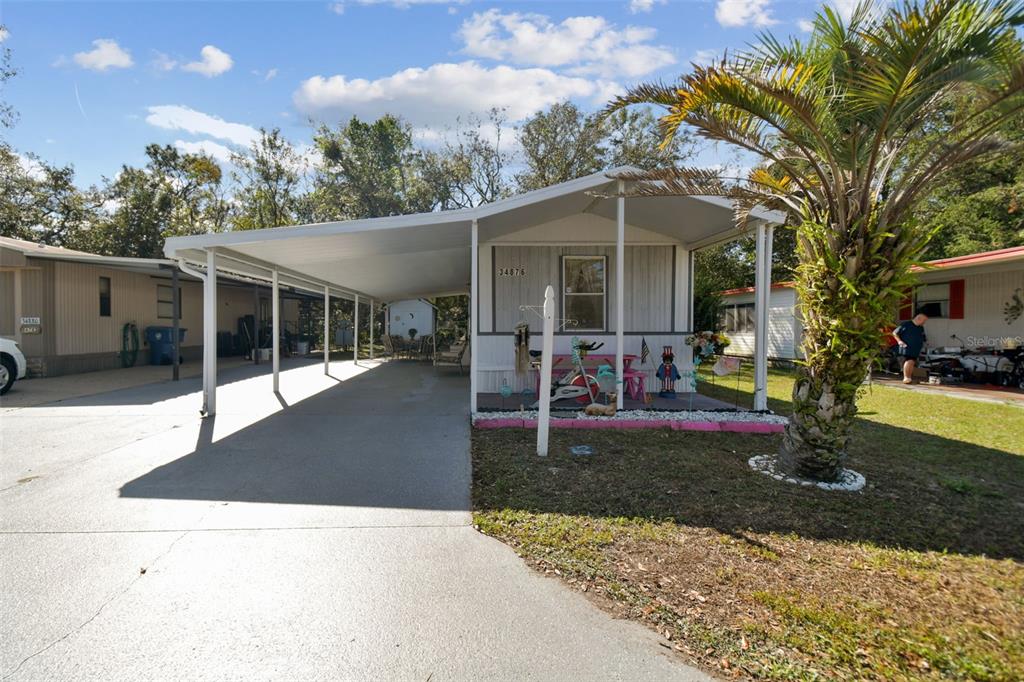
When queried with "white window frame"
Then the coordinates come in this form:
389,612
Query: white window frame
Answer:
943,302
603,294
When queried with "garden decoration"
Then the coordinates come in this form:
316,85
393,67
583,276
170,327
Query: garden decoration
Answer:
521,335
668,373
412,334
599,410
506,392
727,365
606,380
526,393
707,343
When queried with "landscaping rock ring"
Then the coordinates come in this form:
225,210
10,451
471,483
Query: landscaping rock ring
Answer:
849,480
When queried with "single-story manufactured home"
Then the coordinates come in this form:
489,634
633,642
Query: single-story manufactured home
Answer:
971,301
68,309
622,267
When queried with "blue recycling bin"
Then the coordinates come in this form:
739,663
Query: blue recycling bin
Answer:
161,344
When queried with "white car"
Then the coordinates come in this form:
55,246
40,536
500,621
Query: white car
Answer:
12,364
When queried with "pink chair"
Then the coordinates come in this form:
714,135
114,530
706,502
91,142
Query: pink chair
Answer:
635,383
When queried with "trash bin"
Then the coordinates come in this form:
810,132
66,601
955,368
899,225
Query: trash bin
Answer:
161,344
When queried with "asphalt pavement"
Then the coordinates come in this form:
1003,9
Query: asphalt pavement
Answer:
321,533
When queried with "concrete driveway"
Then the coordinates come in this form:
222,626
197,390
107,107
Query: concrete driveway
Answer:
320,534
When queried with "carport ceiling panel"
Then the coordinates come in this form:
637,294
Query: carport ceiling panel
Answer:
515,219
301,252
687,219
396,276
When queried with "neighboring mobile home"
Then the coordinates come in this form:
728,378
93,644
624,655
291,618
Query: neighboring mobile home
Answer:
67,309
410,314
971,301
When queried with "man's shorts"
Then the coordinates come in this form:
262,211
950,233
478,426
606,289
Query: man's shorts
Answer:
908,353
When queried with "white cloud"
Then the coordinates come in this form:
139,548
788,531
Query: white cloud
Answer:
213,62
162,62
405,4
270,74
637,6
436,95
31,166
106,54
582,45
845,7
704,57
177,117
805,25
734,13
4,34
218,151
337,7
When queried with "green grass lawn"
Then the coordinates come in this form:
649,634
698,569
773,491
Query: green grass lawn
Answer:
921,575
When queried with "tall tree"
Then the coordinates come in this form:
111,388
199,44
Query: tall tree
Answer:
40,202
981,206
268,178
471,168
8,115
834,118
559,144
175,193
139,217
633,138
368,170
193,182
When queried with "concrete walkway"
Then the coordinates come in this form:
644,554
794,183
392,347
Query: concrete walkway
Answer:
323,533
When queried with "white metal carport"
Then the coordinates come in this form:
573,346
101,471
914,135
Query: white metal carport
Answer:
437,254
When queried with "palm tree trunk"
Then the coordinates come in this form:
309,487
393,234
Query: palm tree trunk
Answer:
816,437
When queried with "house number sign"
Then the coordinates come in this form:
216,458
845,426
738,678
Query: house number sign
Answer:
511,272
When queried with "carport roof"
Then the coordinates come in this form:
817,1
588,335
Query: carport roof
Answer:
427,254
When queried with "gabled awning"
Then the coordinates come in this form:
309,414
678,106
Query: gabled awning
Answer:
427,254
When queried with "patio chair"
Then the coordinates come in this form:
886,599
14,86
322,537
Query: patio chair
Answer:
456,356
425,347
389,347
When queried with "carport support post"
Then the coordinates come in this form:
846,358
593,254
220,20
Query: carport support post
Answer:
176,324
620,288
372,322
275,323
327,331
762,288
210,335
355,331
474,322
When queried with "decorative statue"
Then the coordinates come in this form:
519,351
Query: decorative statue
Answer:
668,373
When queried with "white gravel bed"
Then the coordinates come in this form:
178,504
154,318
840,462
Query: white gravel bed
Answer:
849,480
647,415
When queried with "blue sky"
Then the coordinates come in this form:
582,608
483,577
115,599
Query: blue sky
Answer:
99,81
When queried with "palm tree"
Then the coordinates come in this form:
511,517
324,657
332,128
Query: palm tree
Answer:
839,122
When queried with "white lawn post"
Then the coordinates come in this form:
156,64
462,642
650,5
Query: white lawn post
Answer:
275,329
355,333
327,330
547,348
474,323
210,335
762,290
372,322
620,289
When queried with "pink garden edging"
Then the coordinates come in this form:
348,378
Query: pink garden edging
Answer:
598,424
